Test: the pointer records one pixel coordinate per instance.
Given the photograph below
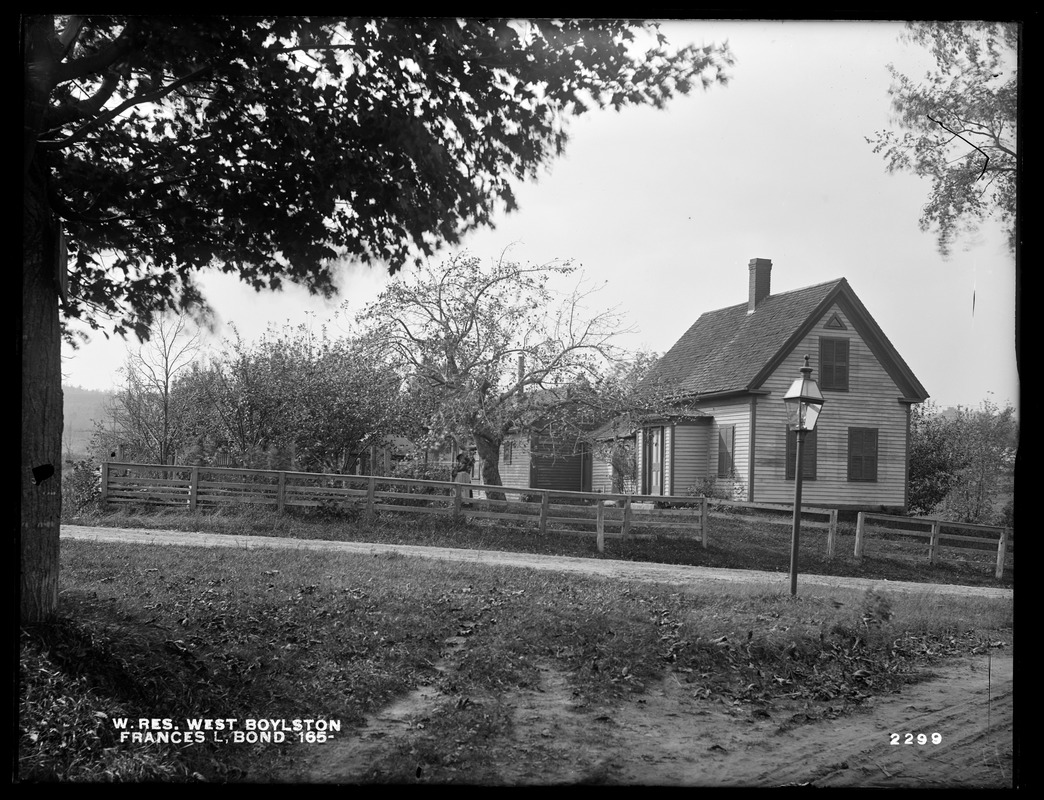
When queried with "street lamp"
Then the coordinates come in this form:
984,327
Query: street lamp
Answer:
804,401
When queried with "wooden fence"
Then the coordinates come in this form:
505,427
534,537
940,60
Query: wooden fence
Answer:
606,515
932,530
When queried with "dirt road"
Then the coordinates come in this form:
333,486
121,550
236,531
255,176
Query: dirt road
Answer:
666,736
627,570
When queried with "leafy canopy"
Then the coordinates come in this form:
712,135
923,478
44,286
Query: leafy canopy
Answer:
278,147
294,397
957,126
961,460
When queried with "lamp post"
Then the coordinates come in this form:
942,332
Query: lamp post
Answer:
803,402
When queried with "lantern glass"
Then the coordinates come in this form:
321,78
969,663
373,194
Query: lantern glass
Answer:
804,401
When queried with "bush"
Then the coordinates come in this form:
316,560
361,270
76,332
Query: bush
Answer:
1007,518
710,488
81,487
418,470
328,510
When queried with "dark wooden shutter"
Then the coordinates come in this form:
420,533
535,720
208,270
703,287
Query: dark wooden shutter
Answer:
833,364
808,457
862,454
726,444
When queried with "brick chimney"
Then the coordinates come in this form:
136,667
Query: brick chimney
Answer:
760,282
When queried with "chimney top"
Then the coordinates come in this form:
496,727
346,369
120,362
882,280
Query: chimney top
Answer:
760,282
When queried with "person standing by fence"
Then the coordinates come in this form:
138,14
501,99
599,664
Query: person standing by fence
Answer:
462,471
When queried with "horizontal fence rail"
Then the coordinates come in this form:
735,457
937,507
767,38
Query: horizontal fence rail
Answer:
992,536
776,514
605,515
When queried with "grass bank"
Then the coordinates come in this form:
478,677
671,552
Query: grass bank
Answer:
189,633
734,544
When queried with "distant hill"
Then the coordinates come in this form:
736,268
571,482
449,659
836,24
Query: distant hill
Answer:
82,407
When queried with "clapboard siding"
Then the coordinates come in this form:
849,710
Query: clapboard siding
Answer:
601,472
872,401
690,455
514,471
736,413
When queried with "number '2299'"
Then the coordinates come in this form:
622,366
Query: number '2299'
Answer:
915,738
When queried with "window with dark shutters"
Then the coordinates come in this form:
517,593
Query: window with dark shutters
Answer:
808,455
833,364
862,454
726,443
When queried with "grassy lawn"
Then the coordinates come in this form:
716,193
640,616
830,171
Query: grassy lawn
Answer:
734,544
180,633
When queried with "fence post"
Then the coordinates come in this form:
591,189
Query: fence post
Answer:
1002,550
371,493
832,533
544,503
625,529
281,493
860,525
704,521
104,495
933,541
600,526
458,497
194,488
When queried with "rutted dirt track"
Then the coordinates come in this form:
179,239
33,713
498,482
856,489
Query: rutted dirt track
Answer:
665,736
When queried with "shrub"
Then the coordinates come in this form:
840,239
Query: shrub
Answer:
81,487
709,487
419,470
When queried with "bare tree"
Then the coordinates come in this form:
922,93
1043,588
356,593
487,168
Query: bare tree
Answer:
141,412
491,347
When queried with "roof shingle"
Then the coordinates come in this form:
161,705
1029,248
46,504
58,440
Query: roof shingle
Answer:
725,350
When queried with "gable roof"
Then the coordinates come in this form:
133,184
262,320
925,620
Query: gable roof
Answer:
732,351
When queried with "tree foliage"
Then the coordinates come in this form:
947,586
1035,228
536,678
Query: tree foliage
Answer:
292,399
957,127
936,458
491,347
277,147
962,461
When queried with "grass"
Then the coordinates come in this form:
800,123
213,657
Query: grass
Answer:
734,544
177,633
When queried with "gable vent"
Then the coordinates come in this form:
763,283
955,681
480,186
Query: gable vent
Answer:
835,323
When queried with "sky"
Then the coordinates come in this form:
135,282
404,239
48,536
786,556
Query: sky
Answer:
667,207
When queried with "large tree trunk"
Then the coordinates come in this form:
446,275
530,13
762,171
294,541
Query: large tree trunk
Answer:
489,451
41,469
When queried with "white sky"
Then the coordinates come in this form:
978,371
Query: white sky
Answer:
668,207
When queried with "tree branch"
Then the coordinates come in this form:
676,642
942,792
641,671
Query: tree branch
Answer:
149,97
970,144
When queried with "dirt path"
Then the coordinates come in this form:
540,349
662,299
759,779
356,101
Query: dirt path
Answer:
608,568
668,737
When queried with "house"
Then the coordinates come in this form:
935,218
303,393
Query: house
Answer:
545,459
731,370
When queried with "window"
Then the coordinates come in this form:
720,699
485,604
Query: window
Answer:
833,364
862,454
808,455
726,445
509,451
